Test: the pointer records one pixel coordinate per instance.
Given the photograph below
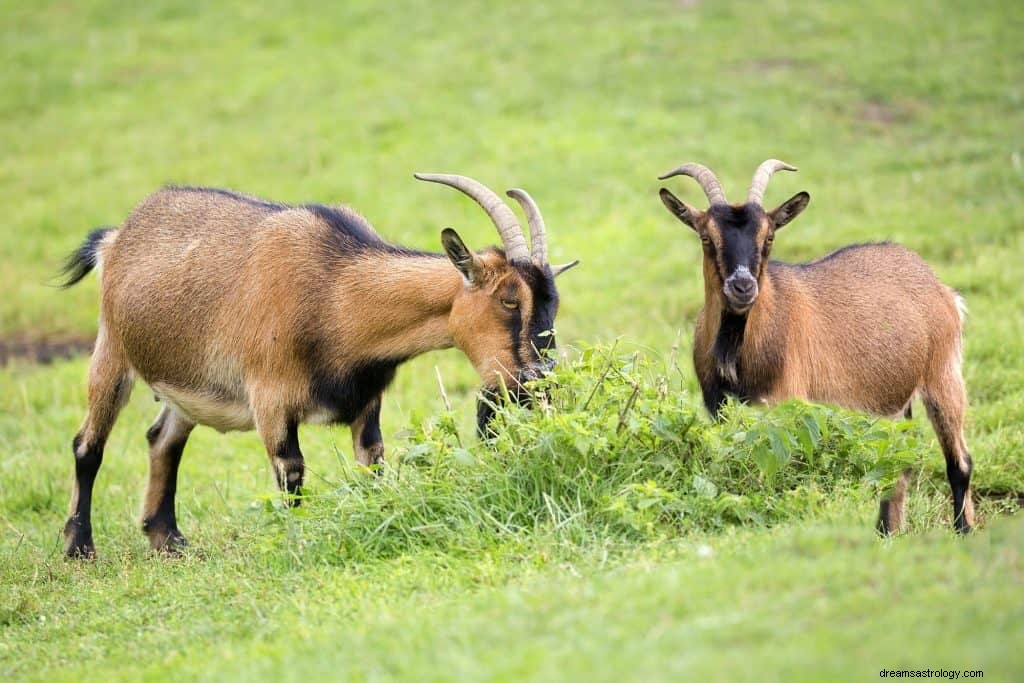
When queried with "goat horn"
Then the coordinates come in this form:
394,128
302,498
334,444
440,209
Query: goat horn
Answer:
538,232
760,182
703,175
558,270
502,217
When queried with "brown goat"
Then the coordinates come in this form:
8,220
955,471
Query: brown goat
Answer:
867,327
242,313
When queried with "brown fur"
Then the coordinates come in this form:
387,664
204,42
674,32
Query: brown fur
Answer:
867,327
870,347
234,309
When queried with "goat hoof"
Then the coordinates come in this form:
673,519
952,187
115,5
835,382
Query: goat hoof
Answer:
370,456
170,543
78,543
80,549
293,498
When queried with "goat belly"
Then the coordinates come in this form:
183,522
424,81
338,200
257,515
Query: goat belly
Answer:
222,413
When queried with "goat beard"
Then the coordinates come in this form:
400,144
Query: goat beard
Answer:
487,406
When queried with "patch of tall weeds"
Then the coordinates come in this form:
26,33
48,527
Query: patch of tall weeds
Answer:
610,448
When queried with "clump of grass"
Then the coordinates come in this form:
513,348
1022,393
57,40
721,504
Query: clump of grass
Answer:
609,449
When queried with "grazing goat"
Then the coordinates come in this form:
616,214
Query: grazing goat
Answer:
866,327
242,313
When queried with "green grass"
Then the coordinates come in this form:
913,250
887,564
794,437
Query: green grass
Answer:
577,548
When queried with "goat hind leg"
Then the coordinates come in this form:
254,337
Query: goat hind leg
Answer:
110,385
946,400
167,437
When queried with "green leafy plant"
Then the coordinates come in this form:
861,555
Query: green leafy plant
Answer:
609,448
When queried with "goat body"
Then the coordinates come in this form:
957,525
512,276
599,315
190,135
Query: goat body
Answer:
811,335
247,314
308,300
868,327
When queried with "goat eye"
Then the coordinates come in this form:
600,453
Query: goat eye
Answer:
510,304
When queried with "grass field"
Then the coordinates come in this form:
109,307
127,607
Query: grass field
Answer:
590,543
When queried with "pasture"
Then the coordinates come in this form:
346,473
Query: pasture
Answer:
619,534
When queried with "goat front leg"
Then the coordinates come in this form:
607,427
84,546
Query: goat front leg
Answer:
367,443
280,434
713,392
892,513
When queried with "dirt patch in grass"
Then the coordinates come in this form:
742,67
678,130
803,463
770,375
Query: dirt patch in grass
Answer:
44,350
881,113
770,65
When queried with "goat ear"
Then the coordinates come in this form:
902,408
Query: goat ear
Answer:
789,209
680,209
460,255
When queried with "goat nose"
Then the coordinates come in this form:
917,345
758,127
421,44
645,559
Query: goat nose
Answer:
538,369
743,285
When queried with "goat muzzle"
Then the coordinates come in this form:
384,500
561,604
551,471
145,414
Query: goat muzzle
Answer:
740,290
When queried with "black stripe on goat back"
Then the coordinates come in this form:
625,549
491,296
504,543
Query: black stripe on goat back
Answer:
347,225
351,232
838,253
231,194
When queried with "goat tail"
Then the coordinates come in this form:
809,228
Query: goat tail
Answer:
961,306
88,256
961,312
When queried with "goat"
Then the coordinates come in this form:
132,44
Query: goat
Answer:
242,313
867,327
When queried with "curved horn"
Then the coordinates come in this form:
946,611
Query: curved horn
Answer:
502,217
703,175
538,232
558,270
761,176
